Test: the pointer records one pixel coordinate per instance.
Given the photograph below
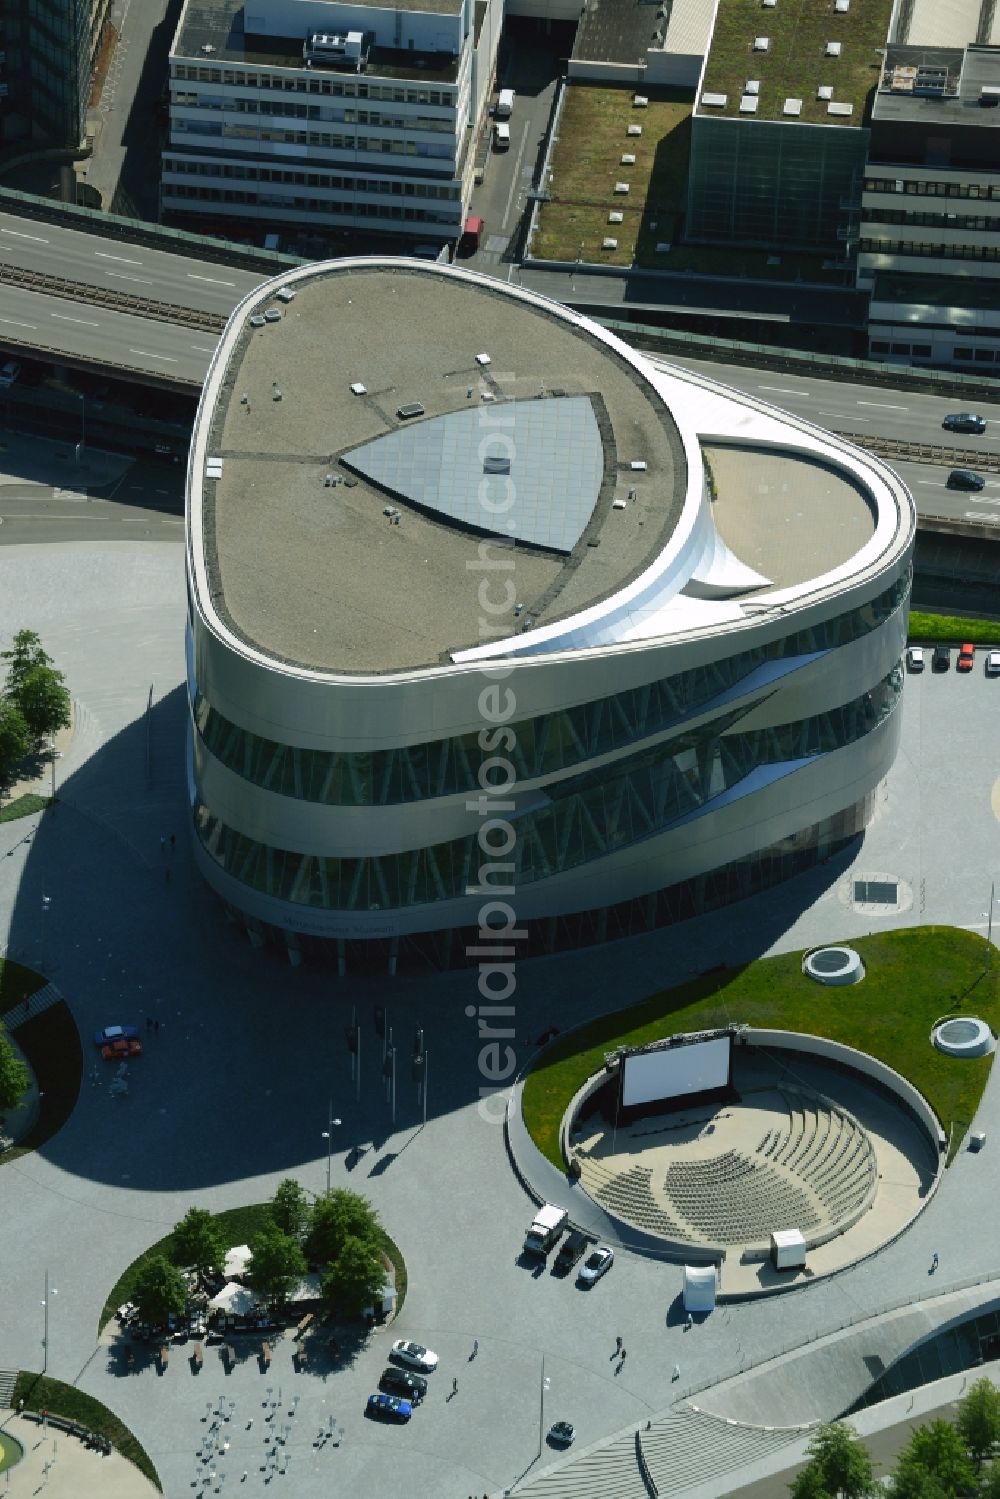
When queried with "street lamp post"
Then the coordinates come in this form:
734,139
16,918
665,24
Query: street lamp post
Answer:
541,1407
46,906
45,1309
83,423
328,1137
52,762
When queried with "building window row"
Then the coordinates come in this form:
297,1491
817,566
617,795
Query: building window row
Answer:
397,146
312,84
928,251
544,745
590,817
351,207
979,222
287,108
988,191
250,172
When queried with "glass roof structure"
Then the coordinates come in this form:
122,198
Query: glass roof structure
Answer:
531,469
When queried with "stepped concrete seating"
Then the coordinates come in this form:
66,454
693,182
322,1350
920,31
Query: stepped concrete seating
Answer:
628,1194
735,1200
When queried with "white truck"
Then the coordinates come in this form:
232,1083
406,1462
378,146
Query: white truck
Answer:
505,104
548,1224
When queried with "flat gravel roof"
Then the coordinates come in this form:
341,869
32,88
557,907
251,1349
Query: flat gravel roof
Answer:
317,574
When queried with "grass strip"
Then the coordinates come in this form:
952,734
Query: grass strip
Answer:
40,1393
24,806
952,629
913,978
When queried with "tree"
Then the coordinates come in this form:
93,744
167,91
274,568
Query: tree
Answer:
978,1420
341,1216
356,1277
15,738
912,1480
159,1290
276,1263
43,699
26,654
199,1242
939,1450
838,1465
14,1076
290,1208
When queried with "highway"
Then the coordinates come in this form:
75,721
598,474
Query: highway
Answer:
102,336
116,265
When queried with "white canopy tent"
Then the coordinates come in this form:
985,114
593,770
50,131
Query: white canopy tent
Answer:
699,1288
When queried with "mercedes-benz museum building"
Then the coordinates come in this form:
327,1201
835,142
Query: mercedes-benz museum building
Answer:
494,622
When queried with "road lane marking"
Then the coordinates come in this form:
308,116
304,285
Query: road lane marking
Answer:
18,235
883,405
199,350
149,354
11,323
515,180
978,515
121,276
65,318
210,279
782,390
122,260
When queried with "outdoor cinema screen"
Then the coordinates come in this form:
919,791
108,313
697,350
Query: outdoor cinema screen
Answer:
676,1071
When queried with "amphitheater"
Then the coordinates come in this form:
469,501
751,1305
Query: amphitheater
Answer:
801,1145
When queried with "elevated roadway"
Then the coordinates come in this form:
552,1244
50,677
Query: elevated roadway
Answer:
93,301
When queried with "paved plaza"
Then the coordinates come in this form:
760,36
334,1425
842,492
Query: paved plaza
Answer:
233,1093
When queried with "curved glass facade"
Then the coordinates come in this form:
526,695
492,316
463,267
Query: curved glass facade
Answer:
588,817
544,745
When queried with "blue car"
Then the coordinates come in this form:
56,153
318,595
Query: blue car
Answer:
389,1407
113,1033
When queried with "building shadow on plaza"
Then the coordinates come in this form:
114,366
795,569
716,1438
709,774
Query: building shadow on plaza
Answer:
245,1056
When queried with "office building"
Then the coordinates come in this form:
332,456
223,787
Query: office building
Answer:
48,52
298,113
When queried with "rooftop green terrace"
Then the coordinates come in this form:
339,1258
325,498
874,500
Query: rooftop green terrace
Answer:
795,65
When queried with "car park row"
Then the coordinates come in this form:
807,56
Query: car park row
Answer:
941,659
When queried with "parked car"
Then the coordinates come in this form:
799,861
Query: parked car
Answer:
941,659
561,1433
966,658
964,478
595,1265
570,1251
9,374
122,1046
993,664
414,1355
403,1382
388,1407
914,658
116,1033
501,135
964,421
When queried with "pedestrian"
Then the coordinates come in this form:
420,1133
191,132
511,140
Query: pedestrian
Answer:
20,1406
690,1322
624,1355
934,1261
454,1385
618,1346
475,1347
677,1372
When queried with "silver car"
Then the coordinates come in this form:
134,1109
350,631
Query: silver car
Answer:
594,1266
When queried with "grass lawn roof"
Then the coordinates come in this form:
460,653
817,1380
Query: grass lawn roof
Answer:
795,64
913,978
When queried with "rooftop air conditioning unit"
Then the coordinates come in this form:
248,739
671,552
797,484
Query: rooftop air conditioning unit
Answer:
332,46
609,244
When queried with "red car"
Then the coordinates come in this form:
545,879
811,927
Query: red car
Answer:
966,658
124,1046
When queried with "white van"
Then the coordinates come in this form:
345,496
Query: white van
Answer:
505,104
501,135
